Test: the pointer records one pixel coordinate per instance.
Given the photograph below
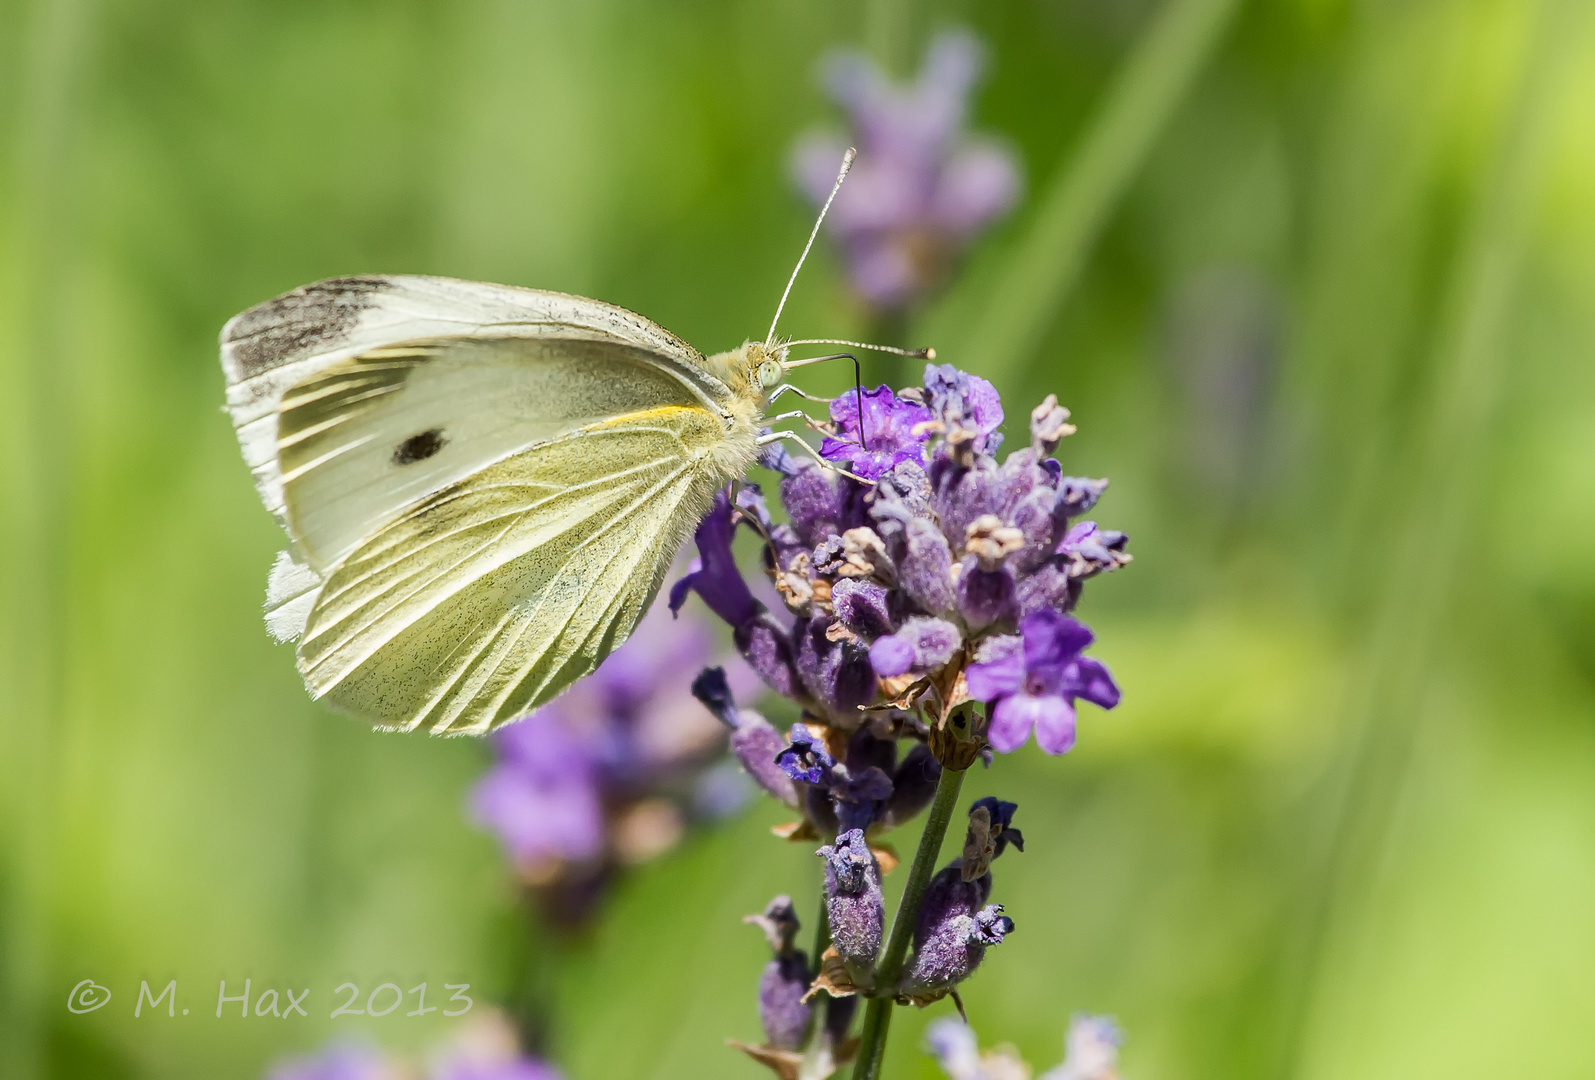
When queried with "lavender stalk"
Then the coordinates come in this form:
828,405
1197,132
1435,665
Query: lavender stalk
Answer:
928,624
878,1016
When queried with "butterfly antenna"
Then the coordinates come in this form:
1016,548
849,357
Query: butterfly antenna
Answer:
912,354
847,163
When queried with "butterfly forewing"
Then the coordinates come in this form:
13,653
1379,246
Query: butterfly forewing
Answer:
283,343
489,597
376,432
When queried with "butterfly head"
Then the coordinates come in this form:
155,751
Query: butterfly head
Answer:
752,371
766,364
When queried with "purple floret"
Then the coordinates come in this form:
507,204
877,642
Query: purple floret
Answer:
1035,679
888,436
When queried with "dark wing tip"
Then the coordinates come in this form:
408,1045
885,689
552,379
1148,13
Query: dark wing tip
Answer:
282,329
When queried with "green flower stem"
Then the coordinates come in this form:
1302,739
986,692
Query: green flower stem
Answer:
878,1015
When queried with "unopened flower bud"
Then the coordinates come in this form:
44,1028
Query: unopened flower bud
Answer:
926,569
854,903
922,645
1091,1050
985,596
952,938
768,651
862,607
1076,495
1091,551
913,786
756,743
838,672
713,690
785,978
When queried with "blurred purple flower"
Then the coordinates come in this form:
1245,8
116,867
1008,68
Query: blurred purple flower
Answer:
922,187
609,773
487,1049
542,796
1034,680
463,1067
338,1061
952,1043
1091,1050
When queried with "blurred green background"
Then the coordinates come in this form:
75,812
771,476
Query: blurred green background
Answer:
1317,278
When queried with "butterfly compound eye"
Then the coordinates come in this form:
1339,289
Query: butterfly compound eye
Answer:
769,374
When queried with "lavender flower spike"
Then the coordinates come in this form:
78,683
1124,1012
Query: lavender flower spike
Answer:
1035,679
909,600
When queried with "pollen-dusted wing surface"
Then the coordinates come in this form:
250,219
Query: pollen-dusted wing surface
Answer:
482,485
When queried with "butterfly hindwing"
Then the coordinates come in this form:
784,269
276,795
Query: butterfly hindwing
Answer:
490,596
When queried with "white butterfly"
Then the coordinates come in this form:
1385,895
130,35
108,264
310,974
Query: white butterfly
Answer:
482,485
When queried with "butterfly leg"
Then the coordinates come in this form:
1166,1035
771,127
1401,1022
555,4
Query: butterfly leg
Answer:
777,436
789,388
793,415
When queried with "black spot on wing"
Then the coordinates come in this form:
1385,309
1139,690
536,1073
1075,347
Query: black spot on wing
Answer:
313,316
419,447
